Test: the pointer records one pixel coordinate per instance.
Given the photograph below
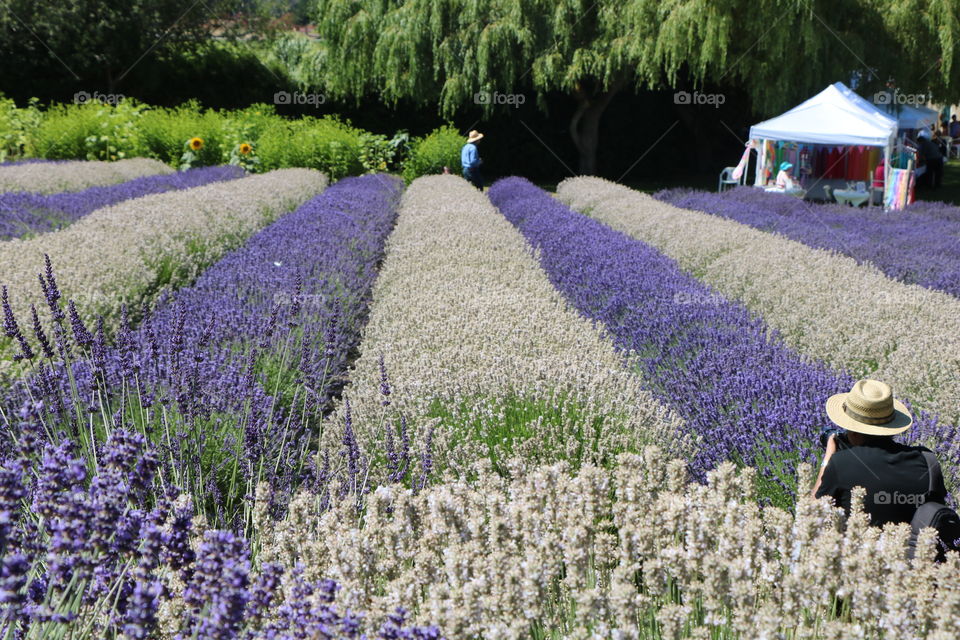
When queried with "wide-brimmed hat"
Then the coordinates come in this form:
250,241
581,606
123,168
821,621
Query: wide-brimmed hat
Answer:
869,408
785,165
474,135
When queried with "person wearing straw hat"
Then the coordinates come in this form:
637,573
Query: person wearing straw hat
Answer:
470,159
863,453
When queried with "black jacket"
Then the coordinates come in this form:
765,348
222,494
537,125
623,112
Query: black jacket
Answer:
895,477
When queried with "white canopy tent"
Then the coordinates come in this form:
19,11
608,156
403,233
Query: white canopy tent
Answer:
835,116
912,117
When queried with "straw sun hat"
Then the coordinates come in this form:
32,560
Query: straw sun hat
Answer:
869,408
474,135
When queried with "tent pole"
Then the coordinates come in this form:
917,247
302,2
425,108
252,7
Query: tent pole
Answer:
761,160
886,174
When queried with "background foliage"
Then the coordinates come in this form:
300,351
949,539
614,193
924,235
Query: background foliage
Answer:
598,78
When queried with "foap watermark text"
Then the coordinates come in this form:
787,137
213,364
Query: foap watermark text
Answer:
496,98
84,97
697,98
299,98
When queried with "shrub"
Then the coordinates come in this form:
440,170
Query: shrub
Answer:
317,143
63,131
165,131
430,154
256,138
15,141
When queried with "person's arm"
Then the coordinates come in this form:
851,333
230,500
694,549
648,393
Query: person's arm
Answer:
831,449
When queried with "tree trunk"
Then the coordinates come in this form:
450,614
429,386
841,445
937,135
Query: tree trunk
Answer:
585,125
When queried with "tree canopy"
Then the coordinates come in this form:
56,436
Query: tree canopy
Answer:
96,43
443,52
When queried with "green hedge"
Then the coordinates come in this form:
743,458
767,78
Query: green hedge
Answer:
95,131
433,152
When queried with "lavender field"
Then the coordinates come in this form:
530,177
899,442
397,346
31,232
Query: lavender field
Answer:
274,407
919,245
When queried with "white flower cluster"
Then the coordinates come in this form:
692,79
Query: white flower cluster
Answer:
128,252
825,305
54,177
479,345
612,553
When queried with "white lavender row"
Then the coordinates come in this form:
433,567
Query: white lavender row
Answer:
823,304
54,177
24,213
471,347
128,253
631,552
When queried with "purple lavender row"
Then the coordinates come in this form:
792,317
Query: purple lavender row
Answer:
917,245
23,213
235,370
749,397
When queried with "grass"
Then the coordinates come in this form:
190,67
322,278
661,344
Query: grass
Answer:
501,424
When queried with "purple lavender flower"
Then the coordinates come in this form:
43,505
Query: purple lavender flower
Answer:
81,334
218,589
40,334
384,383
12,330
426,460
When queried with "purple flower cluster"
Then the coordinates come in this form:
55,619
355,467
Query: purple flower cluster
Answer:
750,398
23,213
233,373
917,245
85,555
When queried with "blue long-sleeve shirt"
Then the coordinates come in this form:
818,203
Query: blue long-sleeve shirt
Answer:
469,156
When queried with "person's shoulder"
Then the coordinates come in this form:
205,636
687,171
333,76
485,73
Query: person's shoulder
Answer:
844,454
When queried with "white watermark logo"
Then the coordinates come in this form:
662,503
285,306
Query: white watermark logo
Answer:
898,498
696,98
496,98
305,300
299,98
705,299
84,97
897,98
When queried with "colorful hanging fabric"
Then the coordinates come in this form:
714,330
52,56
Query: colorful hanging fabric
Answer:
769,161
898,192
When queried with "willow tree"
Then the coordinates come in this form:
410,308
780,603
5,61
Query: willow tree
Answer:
444,52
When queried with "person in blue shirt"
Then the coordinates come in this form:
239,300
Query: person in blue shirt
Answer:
470,159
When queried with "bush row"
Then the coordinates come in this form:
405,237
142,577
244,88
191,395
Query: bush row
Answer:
256,138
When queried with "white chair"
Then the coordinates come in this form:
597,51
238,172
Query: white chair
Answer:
828,191
727,179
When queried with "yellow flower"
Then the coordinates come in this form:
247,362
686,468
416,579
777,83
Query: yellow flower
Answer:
245,149
196,144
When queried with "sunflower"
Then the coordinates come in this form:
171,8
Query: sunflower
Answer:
245,149
196,144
